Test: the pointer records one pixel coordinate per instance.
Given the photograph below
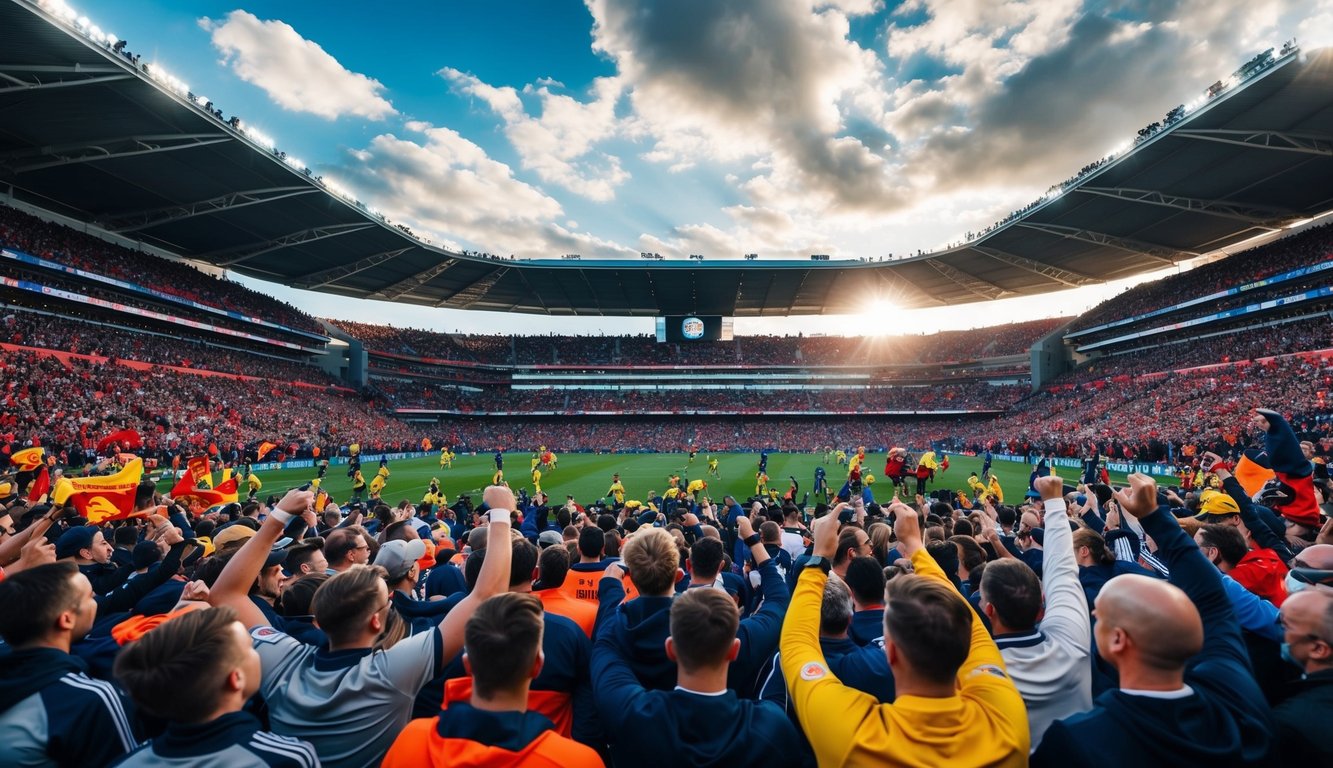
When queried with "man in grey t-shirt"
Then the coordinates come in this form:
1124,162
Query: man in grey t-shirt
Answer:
350,701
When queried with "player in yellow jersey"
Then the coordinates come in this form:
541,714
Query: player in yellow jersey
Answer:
536,480
760,483
446,458
712,467
617,490
499,478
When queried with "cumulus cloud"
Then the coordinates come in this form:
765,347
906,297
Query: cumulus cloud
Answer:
559,144
447,188
725,81
297,73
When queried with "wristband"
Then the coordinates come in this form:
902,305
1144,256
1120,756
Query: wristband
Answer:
499,516
282,516
752,539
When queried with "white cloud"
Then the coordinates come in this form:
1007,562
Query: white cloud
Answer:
447,188
559,145
297,73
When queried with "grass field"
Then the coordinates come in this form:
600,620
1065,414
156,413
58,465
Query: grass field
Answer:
587,476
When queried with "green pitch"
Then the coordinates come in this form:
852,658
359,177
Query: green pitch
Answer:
587,476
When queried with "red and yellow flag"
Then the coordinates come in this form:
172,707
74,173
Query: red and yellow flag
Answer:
28,459
102,498
40,486
264,448
199,471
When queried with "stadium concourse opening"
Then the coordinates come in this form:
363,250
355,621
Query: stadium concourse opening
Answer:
236,533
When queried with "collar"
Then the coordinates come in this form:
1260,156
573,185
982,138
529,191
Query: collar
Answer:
512,731
715,694
1183,692
1020,639
331,661
199,739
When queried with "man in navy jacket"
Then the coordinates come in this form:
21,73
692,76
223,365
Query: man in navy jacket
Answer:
701,722
51,712
1187,695
639,630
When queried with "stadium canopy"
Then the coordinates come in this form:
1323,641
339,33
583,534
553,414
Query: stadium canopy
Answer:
90,135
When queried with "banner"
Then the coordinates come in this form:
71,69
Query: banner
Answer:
127,438
101,499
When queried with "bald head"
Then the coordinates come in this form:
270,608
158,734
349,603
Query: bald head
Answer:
1315,556
1307,620
1147,622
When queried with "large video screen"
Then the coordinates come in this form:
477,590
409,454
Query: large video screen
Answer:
688,328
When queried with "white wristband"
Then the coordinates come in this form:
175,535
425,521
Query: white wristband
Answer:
499,516
282,517
1054,505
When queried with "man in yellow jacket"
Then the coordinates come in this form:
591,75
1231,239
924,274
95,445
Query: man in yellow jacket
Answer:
955,703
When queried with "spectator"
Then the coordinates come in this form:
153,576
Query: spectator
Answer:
502,654
955,703
196,672
51,711
1186,694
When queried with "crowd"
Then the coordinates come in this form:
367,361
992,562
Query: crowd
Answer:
70,407
63,245
1077,625
945,397
742,351
1303,249
121,343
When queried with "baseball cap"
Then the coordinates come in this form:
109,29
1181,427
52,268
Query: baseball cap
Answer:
144,554
397,557
549,539
1216,504
73,540
232,533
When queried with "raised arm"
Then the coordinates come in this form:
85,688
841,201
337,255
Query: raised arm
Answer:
1190,571
494,576
1066,604
830,713
233,585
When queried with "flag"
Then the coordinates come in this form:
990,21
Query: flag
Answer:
127,438
28,459
41,486
224,493
425,444
264,448
199,471
101,499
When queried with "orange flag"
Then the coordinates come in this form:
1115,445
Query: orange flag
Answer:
264,448
101,499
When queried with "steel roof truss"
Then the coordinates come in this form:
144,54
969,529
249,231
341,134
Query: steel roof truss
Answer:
1058,274
314,234
106,149
1153,251
969,283
409,284
130,222
1260,216
1285,141
331,276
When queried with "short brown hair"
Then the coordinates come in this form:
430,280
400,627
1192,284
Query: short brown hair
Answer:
1014,590
176,670
522,561
340,543
502,640
344,602
930,623
653,560
703,626
553,566
34,598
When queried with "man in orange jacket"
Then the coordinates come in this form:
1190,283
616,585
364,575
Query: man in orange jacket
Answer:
501,650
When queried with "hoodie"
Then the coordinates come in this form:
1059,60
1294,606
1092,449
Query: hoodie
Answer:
682,728
639,631
51,712
1262,572
466,737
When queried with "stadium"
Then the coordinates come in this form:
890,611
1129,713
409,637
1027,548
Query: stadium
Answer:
727,548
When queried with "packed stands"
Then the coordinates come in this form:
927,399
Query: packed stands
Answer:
744,351
70,403
1303,249
56,243
949,397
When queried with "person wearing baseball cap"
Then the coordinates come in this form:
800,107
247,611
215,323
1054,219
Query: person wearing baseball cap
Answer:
400,560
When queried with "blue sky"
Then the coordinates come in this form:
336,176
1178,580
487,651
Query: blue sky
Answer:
607,127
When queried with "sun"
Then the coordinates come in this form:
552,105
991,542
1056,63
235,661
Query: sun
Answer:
880,318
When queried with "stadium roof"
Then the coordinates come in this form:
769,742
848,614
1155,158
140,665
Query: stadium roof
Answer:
88,135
